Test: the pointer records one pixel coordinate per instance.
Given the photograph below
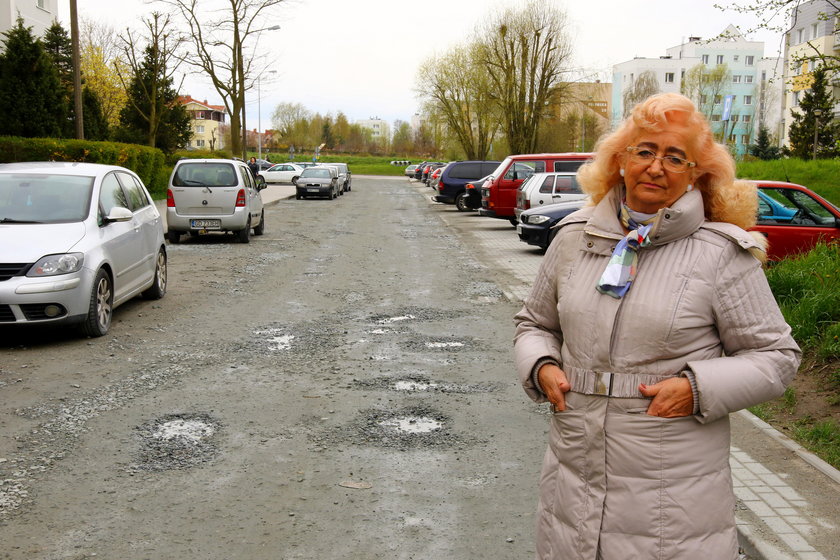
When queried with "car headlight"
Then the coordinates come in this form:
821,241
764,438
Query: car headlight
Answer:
537,219
54,265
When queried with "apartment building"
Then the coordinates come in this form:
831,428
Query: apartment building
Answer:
813,29
37,14
379,129
208,122
737,106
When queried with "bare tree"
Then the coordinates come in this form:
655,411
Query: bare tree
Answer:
642,87
153,66
458,89
525,53
225,50
705,86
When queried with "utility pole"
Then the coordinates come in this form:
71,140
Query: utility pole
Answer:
77,71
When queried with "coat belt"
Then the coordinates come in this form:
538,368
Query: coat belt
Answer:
610,384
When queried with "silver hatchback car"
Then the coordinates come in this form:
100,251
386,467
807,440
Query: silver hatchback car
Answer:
76,241
214,195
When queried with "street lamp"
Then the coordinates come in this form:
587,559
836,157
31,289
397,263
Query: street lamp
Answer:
241,61
259,114
817,114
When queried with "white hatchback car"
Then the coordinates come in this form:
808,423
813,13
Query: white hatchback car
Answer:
282,173
542,189
76,241
214,195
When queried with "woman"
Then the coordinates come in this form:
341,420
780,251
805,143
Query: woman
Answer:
650,321
254,166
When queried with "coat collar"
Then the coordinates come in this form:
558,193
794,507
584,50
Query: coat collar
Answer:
675,222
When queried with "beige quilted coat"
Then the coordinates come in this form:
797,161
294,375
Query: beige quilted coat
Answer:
617,484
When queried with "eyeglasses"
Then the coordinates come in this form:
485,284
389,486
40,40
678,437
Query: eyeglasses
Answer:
674,164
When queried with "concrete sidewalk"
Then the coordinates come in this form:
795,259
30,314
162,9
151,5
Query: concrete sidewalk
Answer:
788,499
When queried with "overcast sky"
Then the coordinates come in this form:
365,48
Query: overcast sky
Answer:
361,56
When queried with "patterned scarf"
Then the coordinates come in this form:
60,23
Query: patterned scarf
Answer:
621,270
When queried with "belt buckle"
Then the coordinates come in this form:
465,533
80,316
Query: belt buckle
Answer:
603,384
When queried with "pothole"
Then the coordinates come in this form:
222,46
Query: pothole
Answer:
486,292
176,442
403,429
441,344
422,384
276,339
408,314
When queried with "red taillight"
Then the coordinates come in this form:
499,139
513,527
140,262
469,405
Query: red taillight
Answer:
527,204
170,200
240,198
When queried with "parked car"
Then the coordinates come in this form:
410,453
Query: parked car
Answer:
320,180
419,169
434,176
282,173
214,195
264,164
535,225
472,191
452,185
83,238
542,189
409,171
345,178
498,194
813,219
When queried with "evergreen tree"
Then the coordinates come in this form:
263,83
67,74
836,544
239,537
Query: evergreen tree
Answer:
30,89
153,114
763,149
59,48
802,129
95,123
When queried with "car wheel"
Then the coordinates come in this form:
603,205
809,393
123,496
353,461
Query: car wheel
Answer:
244,235
173,236
297,196
260,229
461,202
513,221
101,306
158,287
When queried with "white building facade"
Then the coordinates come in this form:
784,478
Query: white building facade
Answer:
37,14
379,129
750,84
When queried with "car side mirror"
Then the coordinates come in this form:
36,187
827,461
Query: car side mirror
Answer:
260,182
119,214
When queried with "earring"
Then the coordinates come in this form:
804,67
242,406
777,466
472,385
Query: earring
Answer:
621,172
689,188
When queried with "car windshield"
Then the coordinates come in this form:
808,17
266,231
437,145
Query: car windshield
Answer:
43,198
319,173
205,174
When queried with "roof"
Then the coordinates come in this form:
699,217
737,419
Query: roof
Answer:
185,99
60,168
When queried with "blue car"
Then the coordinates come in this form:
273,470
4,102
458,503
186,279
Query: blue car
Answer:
770,209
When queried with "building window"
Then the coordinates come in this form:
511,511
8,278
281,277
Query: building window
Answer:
704,99
735,58
736,79
201,115
199,129
749,60
718,99
748,79
796,99
42,4
719,59
669,77
199,142
800,36
747,118
715,118
705,59
747,100
814,30
734,118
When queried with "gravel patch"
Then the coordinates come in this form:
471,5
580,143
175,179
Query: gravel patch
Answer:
176,442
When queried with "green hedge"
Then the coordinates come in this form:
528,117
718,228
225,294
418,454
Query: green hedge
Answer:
149,163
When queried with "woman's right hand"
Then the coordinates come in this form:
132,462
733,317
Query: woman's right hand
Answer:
554,384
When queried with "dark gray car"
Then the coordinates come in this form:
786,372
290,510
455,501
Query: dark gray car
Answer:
318,181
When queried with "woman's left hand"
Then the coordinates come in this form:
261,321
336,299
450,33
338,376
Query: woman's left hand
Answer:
671,398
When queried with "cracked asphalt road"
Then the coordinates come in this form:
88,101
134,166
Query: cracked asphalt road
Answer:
341,387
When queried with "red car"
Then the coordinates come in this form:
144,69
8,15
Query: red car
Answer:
794,218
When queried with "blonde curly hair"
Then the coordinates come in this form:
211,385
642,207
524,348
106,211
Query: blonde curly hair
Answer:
724,198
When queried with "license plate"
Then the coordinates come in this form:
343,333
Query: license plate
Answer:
206,224
313,190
